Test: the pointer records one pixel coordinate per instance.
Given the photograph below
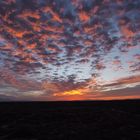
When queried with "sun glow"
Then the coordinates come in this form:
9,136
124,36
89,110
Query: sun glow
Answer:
71,92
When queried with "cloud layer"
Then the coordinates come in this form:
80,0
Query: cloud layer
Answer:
55,48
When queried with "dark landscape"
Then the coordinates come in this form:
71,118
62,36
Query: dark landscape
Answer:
95,120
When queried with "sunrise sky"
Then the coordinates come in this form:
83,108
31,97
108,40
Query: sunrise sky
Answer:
69,49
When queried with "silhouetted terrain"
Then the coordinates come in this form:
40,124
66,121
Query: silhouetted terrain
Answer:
95,120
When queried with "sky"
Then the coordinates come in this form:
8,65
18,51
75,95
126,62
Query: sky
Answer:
52,50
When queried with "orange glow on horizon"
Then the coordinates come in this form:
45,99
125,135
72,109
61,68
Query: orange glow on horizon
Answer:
71,93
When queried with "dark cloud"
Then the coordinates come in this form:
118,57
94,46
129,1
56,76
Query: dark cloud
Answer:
124,81
126,92
7,98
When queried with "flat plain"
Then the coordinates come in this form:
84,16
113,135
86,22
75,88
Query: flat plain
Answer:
95,120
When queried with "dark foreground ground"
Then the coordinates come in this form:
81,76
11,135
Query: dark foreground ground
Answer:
95,120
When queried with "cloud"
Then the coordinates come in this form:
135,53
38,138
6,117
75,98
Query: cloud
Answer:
122,83
125,93
45,40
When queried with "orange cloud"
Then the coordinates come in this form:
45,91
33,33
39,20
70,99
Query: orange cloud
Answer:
31,46
116,62
16,33
127,32
84,17
25,14
54,29
88,43
55,16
